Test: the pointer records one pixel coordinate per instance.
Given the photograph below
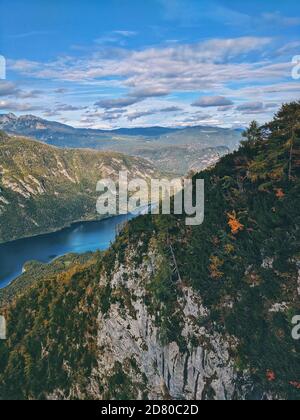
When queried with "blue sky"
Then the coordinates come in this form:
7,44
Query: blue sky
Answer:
117,63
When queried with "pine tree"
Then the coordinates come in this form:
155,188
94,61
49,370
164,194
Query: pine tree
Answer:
253,134
286,126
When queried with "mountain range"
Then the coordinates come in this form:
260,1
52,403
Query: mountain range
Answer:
45,188
171,312
202,146
38,127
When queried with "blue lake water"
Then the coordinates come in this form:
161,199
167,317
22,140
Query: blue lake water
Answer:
79,238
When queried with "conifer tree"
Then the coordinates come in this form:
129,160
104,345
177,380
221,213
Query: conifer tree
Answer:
253,134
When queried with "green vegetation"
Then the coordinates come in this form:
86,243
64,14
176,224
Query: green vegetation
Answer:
38,272
43,188
176,151
57,323
243,261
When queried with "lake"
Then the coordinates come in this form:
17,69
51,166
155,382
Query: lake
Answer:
78,238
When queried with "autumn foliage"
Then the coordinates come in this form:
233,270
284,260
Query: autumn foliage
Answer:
280,193
295,385
215,267
234,223
271,376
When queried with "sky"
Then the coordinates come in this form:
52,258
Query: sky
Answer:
127,63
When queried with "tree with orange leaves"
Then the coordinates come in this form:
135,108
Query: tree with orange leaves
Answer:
234,223
280,193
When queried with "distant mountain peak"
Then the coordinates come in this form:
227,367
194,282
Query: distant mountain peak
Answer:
135,140
30,117
8,117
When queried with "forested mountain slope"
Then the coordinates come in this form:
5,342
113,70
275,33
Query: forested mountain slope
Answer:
43,188
128,324
165,147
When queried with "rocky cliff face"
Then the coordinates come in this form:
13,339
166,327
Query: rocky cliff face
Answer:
130,336
172,311
133,358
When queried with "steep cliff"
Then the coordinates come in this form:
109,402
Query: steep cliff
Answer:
171,311
139,357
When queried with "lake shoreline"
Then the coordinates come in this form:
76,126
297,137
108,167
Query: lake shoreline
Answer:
80,237
57,230
71,224
37,271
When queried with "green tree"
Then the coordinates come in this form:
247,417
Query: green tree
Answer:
286,126
253,134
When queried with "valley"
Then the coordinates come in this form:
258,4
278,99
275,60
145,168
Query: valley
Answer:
149,203
123,324
79,238
200,146
44,188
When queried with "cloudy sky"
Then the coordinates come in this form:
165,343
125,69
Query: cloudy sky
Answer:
124,63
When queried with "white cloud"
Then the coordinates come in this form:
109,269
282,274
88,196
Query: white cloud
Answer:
260,108
251,106
277,18
117,103
7,88
191,63
68,108
30,34
139,114
115,37
192,11
290,47
126,34
18,107
212,101
10,89
167,73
